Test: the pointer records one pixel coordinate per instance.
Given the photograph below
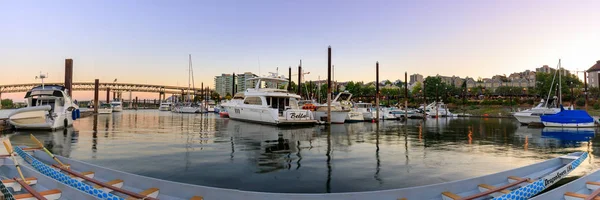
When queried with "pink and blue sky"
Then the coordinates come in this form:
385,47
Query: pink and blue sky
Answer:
149,41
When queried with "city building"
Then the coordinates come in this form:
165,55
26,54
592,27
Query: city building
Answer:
415,78
223,84
546,69
592,75
242,83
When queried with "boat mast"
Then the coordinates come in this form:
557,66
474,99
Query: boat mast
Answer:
551,84
559,84
189,75
42,76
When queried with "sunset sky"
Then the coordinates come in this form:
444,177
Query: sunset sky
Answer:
149,41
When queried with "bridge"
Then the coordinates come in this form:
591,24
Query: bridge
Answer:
115,87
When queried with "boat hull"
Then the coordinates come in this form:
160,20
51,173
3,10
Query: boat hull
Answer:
187,109
172,190
527,118
337,117
569,125
164,108
577,186
118,109
354,117
266,115
105,111
37,118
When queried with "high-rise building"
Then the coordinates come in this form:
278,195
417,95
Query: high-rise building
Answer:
224,84
415,78
242,83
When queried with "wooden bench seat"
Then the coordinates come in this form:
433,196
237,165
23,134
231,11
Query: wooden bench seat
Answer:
89,174
572,195
16,186
48,194
486,187
116,183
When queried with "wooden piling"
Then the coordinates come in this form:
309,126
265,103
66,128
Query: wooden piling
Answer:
424,100
585,89
136,102
329,85
289,88
107,95
377,89
69,76
233,85
405,96
300,79
0,100
96,95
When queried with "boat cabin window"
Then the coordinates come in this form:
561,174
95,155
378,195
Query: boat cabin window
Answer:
253,101
280,103
363,105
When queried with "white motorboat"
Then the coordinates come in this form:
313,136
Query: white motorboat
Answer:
210,106
165,106
365,109
343,100
403,113
338,116
117,105
385,113
532,115
48,107
269,105
438,109
105,108
186,108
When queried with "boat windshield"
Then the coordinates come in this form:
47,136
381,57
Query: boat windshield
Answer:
115,104
105,105
364,105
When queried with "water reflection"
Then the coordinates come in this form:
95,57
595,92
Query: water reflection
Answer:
208,150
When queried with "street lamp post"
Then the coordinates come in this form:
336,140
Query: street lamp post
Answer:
572,97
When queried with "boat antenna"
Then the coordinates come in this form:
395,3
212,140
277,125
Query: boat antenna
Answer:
189,74
42,76
258,66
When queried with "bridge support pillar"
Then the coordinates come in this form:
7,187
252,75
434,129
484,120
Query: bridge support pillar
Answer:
69,76
96,84
108,95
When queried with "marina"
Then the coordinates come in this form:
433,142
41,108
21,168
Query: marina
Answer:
300,100
391,155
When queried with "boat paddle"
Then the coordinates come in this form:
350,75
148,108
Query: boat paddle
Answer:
9,148
46,150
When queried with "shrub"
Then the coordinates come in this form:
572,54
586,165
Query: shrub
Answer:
596,105
580,102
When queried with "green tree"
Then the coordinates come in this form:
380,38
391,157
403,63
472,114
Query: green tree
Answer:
7,103
416,88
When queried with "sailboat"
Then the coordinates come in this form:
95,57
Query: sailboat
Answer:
567,118
548,107
188,106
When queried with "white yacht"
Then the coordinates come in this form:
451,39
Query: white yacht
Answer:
105,108
48,107
117,105
365,109
165,106
269,105
532,115
438,109
384,113
340,105
186,108
210,107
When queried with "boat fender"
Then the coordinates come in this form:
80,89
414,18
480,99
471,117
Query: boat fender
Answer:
73,115
66,123
78,113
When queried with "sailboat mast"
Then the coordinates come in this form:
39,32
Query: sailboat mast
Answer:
189,75
559,84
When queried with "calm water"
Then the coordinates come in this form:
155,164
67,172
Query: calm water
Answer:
208,150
